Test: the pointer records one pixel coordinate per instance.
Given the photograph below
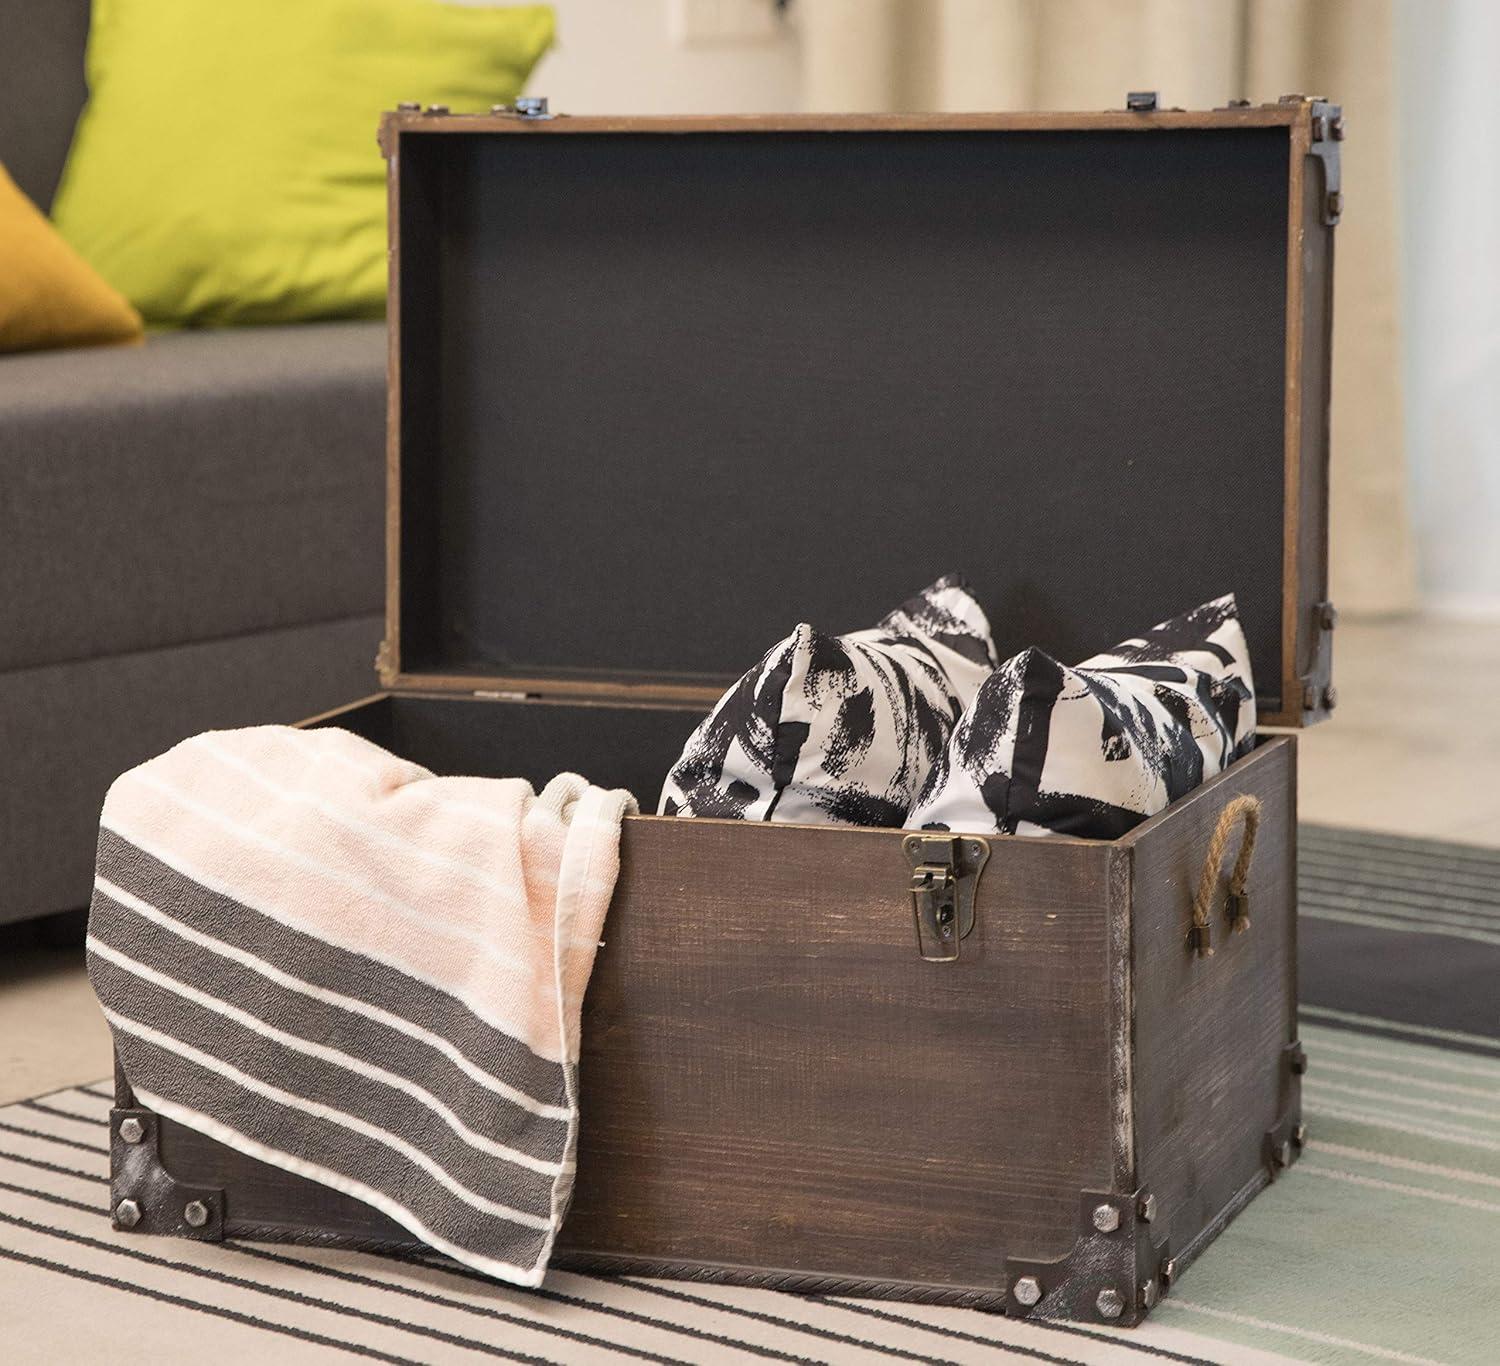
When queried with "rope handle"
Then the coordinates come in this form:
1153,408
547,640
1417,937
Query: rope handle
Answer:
1244,810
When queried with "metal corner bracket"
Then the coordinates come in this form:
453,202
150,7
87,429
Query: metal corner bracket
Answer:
1115,1273
144,1197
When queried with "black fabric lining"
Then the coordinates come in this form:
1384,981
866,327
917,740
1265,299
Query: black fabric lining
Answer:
277,1292
687,390
1050,1325
216,1311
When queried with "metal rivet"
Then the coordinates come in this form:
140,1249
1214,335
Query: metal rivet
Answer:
195,1213
1337,128
408,106
1150,1293
1110,1304
437,109
132,1130
1146,1208
1106,1218
1027,1291
1336,202
1299,1135
127,1214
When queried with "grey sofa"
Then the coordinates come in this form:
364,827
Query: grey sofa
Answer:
190,530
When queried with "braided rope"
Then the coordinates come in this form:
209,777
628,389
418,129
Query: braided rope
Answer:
1242,810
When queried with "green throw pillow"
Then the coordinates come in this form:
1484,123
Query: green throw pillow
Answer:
225,169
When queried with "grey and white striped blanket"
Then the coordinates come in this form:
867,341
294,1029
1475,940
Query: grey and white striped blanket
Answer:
333,961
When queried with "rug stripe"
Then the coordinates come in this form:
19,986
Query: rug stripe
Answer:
1385,922
384,1321
198,1306
304,1259
1438,851
689,1297
1482,899
1380,1024
520,1320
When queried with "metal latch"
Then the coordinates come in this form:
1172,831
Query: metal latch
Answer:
945,875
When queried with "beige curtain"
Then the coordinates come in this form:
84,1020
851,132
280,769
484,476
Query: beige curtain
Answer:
1086,54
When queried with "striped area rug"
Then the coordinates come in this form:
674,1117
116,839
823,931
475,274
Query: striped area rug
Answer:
1381,1245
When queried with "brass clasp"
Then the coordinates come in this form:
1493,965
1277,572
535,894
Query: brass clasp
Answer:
945,874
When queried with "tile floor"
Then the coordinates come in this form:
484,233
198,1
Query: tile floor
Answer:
1413,747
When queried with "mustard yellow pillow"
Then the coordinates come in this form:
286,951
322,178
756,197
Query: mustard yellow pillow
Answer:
49,295
225,168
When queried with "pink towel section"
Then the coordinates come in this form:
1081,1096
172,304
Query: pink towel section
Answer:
340,963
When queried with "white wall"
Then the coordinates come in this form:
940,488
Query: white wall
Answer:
620,57
1448,52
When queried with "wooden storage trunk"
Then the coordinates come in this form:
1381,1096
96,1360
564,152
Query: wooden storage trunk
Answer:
660,388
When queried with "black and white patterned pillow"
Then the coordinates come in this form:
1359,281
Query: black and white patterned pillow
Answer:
1096,749
840,729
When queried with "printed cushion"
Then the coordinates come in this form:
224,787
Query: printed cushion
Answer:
1096,749
839,729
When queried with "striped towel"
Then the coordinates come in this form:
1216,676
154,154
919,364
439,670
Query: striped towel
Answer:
334,961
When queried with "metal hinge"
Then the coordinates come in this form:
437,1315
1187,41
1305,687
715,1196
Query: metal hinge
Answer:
525,107
945,876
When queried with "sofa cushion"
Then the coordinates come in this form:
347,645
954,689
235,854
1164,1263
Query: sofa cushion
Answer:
41,89
206,484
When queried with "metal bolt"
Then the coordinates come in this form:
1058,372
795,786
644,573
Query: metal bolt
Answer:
127,1214
408,106
1319,128
1299,1135
1169,1271
1110,1304
1146,1209
1283,1154
1150,1293
1298,1062
1309,698
1330,697
195,1213
1106,1218
500,109
1328,618
437,109
1027,1291
1336,202
1337,128
132,1130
